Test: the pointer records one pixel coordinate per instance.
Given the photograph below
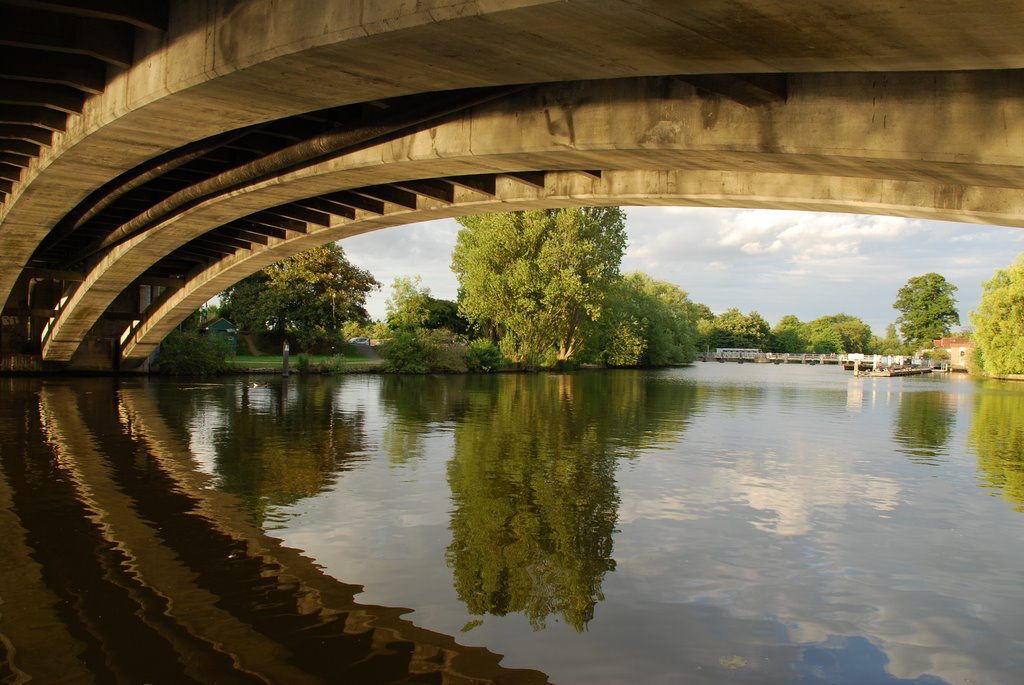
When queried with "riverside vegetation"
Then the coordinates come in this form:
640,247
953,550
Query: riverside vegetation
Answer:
543,289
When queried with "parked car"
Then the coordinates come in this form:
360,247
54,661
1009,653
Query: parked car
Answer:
359,341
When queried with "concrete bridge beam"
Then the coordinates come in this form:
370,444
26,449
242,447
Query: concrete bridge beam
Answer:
221,65
940,140
907,98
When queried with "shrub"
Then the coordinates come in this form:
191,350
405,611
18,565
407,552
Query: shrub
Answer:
189,353
484,355
407,351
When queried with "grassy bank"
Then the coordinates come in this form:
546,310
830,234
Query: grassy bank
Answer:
301,363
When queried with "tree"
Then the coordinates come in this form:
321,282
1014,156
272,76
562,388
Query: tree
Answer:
999,321
928,309
703,320
645,322
789,335
838,333
539,276
308,295
890,344
409,303
444,314
823,338
732,328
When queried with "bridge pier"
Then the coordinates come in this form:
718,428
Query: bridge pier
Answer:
29,312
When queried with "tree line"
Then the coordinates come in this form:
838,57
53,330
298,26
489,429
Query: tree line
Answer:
543,288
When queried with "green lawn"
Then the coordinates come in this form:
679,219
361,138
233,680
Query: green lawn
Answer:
316,361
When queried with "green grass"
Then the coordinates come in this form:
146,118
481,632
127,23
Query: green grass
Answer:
316,361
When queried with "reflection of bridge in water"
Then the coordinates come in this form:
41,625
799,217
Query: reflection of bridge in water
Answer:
130,568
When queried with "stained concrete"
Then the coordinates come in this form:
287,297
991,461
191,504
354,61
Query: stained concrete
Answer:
937,144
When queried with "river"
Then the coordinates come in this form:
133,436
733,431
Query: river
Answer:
720,523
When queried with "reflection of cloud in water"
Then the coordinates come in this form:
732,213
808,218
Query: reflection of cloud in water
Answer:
794,497
852,660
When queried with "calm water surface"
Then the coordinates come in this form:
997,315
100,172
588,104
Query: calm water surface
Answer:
716,524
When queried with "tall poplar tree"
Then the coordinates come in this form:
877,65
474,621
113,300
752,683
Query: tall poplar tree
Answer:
539,276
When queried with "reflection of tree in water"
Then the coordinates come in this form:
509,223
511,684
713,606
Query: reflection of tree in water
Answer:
275,444
923,425
415,406
997,436
733,397
533,481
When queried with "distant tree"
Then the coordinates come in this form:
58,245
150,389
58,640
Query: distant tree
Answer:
308,295
927,306
849,333
732,328
703,320
408,306
823,338
700,312
200,318
890,344
539,277
999,321
444,314
789,335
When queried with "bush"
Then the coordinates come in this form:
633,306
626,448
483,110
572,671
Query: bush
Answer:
448,358
189,353
484,355
407,352
418,350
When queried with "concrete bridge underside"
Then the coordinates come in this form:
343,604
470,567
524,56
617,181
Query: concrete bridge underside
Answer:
235,134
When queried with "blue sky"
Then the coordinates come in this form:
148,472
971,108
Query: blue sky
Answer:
771,261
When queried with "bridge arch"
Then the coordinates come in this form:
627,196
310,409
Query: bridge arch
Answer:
560,189
640,141
736,104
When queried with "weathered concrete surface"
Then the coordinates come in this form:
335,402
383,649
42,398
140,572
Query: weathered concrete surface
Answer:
224,64
563,189
926,145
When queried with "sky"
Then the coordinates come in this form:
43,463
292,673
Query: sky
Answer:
774,262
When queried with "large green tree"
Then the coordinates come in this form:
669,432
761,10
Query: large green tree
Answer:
927,306
308,295
540,276
646,322
999,320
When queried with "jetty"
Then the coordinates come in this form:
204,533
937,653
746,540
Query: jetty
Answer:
756,356
878,366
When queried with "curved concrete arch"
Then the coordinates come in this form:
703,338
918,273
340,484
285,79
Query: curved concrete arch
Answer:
224,64
896,137
561,189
